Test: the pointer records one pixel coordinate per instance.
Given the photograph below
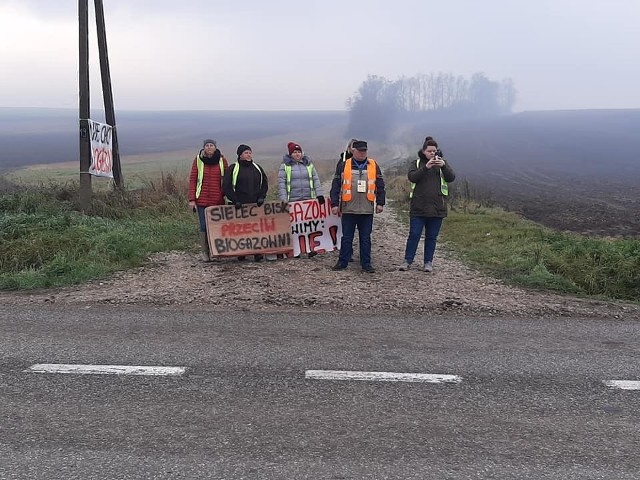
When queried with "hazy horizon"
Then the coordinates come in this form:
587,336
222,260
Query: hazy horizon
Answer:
98,108
313,56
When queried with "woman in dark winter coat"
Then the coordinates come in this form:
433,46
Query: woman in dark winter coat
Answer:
429,176
205,186
245,182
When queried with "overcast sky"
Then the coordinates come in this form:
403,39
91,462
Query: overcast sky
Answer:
314,54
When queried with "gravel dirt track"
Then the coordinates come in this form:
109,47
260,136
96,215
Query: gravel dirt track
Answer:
181,280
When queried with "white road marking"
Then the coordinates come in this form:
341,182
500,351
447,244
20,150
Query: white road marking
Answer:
381,376
623,384
104,369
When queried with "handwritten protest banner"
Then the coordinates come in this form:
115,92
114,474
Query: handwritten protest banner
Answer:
313,227
248,230
101,152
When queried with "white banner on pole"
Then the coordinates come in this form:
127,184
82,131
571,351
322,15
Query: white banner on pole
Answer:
101,152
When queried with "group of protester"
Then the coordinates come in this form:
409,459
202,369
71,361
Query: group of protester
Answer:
357,191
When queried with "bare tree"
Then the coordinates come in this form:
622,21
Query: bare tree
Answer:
379,103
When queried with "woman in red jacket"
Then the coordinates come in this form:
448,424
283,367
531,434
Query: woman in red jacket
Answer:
205,186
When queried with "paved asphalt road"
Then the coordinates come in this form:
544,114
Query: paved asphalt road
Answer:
531,403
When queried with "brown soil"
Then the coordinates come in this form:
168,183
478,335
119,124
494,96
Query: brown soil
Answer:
181,280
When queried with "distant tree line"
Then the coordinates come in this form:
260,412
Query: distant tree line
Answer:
380,104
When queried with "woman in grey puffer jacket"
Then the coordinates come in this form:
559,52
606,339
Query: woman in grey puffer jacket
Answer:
298,178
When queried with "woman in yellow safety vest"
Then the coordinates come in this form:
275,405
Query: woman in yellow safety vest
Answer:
245,182
429,176
205,186
298,179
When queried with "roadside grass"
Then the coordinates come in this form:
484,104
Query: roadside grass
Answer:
46,242
524,253
530,255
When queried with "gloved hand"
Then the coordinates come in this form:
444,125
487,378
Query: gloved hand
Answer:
260,202
238,205
320,199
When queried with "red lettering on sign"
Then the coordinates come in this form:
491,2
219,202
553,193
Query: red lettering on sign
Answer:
233,229
297,213
333,231
312,241
103,161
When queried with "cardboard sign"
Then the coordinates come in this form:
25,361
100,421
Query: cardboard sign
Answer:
248,230
313,227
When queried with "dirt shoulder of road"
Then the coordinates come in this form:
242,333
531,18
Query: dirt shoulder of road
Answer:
181,280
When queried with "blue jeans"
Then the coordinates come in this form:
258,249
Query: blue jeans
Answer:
416,225
203,223
350,221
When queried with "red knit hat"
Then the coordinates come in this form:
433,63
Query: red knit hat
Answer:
292,147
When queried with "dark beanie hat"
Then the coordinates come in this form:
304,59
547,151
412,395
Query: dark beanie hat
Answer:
292,147
243,148
209,140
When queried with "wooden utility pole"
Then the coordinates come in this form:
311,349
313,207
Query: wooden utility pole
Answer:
107,93
83,83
